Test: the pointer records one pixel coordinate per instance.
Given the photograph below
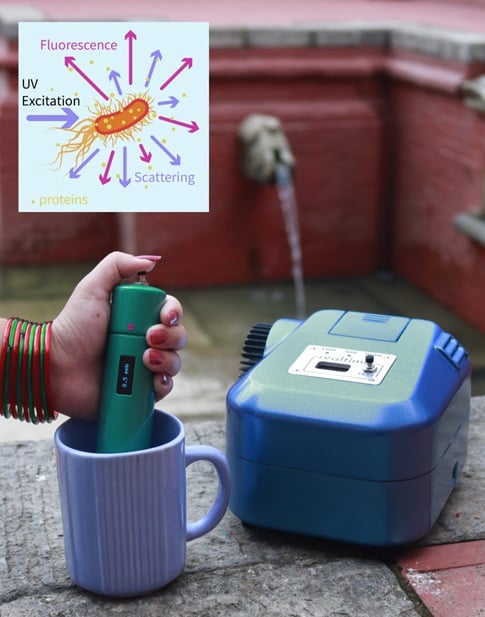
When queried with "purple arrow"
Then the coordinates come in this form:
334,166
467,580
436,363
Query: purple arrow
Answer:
146,157
193,126
74,173
125,181
130,35
69,118
104,177
114,76
174,158
157,56
69,62
172,101
186,64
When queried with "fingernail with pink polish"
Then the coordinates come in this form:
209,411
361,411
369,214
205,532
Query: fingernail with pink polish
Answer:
155,357
150,257
158,337
173,318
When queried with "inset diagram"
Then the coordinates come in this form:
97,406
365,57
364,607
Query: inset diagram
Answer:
113,117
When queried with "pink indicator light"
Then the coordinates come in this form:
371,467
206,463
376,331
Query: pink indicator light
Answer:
131,326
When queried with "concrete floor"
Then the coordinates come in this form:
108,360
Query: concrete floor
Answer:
218,319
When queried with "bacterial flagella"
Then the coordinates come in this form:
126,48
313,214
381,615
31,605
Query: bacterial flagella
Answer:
118,120
121,126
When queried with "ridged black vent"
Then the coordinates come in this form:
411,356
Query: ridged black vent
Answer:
253,349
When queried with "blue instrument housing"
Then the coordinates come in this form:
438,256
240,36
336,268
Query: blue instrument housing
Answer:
351,426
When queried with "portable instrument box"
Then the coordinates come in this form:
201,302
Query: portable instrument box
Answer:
349,426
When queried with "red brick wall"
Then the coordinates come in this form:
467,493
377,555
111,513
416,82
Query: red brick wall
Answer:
387,155
336,130
440,164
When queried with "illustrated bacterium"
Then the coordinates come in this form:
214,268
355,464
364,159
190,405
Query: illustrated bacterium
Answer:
117,120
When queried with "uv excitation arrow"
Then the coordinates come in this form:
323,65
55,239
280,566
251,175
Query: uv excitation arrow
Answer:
69,117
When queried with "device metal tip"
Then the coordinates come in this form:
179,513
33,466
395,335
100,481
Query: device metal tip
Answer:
141,278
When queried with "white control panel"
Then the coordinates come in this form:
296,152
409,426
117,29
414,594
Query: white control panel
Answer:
325,362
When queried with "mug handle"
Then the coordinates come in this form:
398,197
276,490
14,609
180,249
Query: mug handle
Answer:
219,507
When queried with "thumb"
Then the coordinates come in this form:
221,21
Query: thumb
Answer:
113,269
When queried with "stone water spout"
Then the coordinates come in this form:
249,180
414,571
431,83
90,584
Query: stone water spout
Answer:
267,158
264,147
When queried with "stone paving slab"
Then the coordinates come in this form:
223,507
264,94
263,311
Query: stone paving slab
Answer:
234,570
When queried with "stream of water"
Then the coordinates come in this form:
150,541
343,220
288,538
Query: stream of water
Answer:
289,208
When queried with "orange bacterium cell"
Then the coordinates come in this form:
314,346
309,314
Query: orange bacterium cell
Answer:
124,119
119,120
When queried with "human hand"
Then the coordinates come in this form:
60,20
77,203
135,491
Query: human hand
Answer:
79,337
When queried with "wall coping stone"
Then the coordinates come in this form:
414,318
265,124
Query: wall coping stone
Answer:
328,34
438,42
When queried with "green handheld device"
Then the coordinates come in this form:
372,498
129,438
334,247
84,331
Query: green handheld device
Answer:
127,399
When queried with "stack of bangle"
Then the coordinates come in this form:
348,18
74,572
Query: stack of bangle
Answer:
25,371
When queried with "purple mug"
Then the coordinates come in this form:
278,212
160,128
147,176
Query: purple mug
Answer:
124,515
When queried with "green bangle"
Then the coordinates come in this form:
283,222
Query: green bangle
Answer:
30,391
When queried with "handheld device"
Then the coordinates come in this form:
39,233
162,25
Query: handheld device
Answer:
127,400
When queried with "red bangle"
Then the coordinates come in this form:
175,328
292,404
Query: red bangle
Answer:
53,414
13,361
36,376
45,343
4,365
25,388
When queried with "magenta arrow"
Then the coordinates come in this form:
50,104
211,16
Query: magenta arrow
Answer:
193,126
130,35
69,62
186,64
103,178
146,157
